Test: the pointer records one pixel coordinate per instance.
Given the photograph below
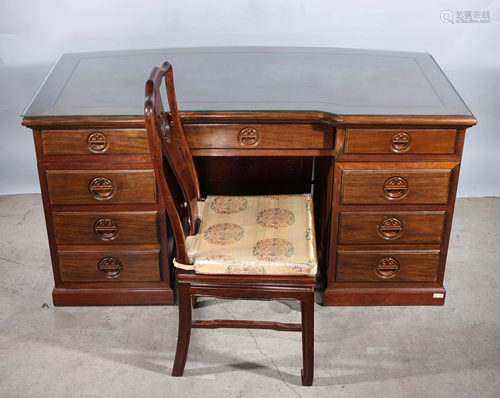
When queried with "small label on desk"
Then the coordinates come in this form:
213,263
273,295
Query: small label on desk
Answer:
438,295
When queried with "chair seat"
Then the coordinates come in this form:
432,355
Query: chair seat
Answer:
268,235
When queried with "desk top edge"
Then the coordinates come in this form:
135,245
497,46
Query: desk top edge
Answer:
254,118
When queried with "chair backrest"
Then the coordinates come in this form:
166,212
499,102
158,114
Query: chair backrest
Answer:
167,139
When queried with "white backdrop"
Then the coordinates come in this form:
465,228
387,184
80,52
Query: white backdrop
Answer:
34,32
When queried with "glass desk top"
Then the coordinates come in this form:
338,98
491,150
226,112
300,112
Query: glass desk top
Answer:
235,79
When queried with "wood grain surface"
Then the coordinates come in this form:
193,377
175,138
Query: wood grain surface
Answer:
131,227
74,142
378,141
72,186
417,227
360,266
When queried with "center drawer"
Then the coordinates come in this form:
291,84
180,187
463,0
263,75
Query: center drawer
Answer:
271,136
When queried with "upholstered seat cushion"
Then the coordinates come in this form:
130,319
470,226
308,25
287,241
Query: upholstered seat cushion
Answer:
269,235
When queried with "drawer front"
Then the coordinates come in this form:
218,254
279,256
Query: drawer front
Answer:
395,186
390,227
104,228
100,187
86,142
387,266
111,266
385,141
259,136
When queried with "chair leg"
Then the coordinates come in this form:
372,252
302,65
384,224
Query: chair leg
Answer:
307,310
184,333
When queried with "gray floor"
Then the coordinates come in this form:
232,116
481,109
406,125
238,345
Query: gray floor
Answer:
450,351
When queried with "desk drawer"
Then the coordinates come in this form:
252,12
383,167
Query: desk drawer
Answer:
408,183
385,141
387,266
101,186
86,142
390,227
104,228
210,136
110,266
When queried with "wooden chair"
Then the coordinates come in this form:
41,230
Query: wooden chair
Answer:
268,273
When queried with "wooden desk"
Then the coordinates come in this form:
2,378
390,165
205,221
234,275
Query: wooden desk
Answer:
383,132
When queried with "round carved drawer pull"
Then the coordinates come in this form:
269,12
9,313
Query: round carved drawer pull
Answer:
400,142
101,188
391,228
97,142
387,267
396,188
106,229
249,137
110,267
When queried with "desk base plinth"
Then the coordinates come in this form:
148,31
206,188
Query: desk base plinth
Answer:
384,296
123,296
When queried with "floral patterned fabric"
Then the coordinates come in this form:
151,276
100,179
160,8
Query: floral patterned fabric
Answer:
267,235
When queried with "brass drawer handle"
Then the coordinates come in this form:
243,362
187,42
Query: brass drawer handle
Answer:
387,267
391,228
400,142
396,188
110,267
101,188
97,142
106,229
249,137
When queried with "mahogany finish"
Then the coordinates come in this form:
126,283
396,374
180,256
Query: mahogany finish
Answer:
137,293
400,266
268,136
84,142
219,174
411,141
169,142
76,249
254,175
80,266
106,228
391,184
320,118
91,187
353,157
390,227
372,186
